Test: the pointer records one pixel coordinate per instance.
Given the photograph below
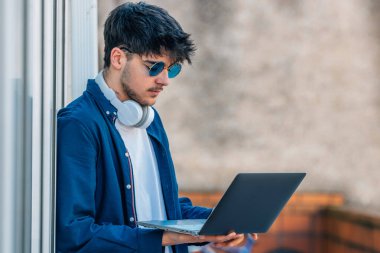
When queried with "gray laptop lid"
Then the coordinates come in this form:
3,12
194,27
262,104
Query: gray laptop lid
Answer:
252,203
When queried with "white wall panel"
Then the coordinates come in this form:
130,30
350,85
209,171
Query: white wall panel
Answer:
12,115
42,68
84,54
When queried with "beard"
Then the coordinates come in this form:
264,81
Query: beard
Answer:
125,77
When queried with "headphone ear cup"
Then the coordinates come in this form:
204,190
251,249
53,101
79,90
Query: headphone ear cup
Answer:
147,118
130,113
133,114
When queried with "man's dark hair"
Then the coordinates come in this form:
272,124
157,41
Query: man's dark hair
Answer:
146,29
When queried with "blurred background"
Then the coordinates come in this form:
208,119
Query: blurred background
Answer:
275,86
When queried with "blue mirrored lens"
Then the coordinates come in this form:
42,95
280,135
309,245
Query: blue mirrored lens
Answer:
174,70
156,68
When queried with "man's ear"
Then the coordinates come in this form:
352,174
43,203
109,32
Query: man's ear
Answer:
117,58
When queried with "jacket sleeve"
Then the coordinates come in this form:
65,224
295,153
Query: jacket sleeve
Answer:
193,212
77,231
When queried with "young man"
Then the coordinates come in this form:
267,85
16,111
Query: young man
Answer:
114,165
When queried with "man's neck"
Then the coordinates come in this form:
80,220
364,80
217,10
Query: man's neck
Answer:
113,81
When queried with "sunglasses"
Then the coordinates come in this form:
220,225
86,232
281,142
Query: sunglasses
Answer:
158,67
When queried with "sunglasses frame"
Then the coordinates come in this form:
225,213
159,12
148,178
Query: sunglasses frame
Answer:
160,65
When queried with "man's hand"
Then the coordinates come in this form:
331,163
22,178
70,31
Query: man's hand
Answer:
171,238
239,241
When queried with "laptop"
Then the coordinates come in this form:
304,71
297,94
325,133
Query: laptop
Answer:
250,205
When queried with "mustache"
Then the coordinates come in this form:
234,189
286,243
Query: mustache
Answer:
156,89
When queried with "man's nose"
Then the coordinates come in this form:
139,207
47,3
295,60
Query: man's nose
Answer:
163,77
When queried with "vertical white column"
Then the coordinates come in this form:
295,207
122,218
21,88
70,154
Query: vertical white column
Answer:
12,133
48,131
46,66
34,77
84,41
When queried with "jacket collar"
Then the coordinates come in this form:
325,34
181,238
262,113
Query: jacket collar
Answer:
110,111
105,105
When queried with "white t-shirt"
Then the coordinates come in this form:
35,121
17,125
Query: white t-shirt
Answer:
147,184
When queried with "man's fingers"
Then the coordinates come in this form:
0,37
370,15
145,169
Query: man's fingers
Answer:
236,241
218,238
232,239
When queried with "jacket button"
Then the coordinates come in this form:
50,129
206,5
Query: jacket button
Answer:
131,219
128,186
126,154
107,112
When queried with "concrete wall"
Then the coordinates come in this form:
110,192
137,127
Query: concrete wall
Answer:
277,86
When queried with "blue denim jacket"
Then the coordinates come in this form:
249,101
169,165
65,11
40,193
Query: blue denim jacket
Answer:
95,191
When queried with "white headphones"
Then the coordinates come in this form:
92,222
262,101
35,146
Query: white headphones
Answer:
130,113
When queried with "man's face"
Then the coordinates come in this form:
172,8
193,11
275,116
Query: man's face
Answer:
136,82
